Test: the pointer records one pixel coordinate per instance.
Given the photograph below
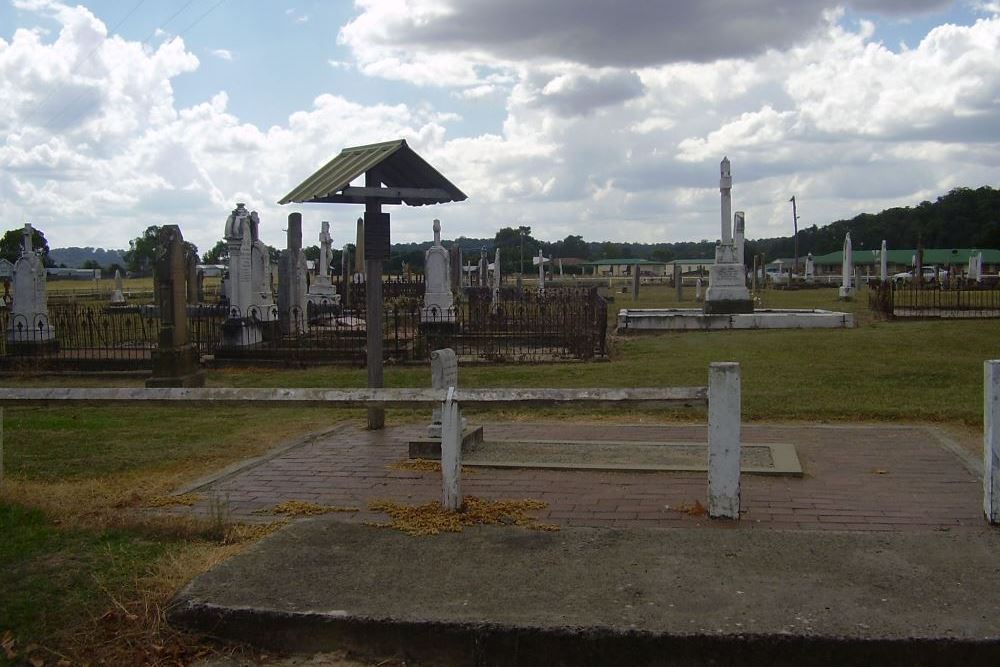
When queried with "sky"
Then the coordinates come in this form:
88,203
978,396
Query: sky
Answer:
592,117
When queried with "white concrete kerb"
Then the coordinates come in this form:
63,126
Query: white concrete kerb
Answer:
991,441
451,453
724,440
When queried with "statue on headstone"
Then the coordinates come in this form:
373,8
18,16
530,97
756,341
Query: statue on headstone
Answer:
439,304
810,268
175,360
248,286
29,325
727,290
321,289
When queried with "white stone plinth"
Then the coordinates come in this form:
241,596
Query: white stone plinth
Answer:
845,293
724,440
691,319
727,291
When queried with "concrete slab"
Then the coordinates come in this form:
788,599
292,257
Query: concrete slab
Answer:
591,596
693,319
619,456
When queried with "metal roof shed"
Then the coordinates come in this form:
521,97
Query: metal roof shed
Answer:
394,174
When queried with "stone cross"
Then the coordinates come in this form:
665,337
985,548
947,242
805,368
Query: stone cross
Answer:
27,247
540,260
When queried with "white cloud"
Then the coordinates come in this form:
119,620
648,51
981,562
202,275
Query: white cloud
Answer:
223,54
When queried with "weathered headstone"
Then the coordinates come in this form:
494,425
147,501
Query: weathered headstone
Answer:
118,294
810,268
727,289
540,261
439,304
292,299
495,283
175,359
697,290
883,263
28,324
846,291
249,282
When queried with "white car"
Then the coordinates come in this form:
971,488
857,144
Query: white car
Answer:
929,274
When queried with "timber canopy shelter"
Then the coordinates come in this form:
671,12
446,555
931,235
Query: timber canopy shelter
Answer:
394,174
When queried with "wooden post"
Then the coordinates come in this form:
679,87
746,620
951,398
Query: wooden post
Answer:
991,441
635,282
678,282
373,314
724,440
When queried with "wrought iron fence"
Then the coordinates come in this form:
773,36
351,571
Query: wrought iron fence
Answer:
522,326
934,301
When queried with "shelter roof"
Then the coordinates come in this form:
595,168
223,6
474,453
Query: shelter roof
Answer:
409,179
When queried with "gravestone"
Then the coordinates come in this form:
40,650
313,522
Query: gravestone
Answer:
727,290
175,359
292,271
483,268
495,280
540,261
846,291
883,264
28,327
810,268
321,289
697,290
439,304
249,283
118,294
444,374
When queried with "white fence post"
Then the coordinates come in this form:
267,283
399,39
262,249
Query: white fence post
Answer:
451,453
991,441
724,440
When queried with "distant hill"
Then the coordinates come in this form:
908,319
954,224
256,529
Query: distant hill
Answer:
74,258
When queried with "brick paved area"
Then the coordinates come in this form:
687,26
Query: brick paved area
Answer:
857,478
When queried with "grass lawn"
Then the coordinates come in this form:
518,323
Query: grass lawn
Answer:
76,558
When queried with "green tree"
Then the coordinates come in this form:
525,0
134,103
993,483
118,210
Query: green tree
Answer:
571,246
219,254
142,250
92,264
12,242
514,245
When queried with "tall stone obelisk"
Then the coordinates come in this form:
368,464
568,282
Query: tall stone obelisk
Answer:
727,288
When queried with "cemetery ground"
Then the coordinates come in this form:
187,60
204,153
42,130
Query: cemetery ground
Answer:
87,570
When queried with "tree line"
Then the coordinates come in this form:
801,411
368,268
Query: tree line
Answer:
962,218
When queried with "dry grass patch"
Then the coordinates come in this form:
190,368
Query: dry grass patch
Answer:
432,518
303,508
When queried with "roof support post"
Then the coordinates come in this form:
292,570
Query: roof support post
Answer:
373,314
